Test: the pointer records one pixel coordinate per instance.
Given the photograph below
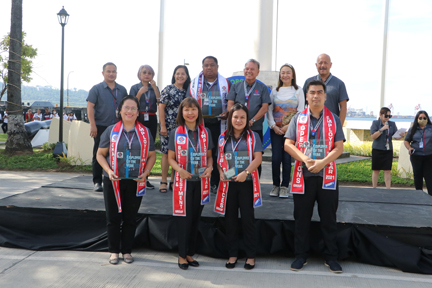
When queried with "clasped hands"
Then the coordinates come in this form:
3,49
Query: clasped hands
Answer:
187,175
141,178
314,165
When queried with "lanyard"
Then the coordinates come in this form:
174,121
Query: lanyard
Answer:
129,141
115,102
315,129
209,96
234,147
423,137
147,100
195,148
248,93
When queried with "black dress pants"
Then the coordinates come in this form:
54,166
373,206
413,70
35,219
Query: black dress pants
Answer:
214,128
97,169
240,196
188,225
121,227
151,124
260,134
303,209
422,168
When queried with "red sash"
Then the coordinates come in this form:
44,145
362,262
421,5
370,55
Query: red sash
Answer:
329,130
220,203
181,142
143,137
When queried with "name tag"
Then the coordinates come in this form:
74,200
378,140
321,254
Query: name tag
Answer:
146,117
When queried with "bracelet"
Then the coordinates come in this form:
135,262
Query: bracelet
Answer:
147,170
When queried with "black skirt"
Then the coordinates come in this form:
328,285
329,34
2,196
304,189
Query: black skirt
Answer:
382,159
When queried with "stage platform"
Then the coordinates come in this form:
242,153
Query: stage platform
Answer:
376,226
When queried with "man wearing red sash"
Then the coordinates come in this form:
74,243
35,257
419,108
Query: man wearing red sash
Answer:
315,139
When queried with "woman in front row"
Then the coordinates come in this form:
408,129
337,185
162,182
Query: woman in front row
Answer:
418,141
123,197
189,154
240,154
382,131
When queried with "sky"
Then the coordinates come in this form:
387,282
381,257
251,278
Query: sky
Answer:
127,33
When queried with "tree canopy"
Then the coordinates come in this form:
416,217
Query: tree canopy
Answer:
27,54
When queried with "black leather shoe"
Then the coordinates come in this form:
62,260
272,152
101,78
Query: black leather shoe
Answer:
248,266
298,264
229,265
149,186
193,263
334,266
98,187
183,266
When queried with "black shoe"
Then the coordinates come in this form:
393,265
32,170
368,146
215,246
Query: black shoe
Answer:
170,186
183,266
298,264
149,186
230,265
334,266
248,266
193,263
98,187
214,189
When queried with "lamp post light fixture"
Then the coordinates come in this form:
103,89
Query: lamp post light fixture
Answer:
60,148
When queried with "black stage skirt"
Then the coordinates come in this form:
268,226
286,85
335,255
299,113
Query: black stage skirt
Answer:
382,159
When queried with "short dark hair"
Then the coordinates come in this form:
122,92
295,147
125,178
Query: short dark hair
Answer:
211,57
253,61
384,110
128,97
187,82
188,102
317,83
108,63
293,80
230,128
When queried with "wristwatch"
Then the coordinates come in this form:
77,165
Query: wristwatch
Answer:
253,120
247,172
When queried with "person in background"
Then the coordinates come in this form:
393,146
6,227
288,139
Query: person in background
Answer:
102,102
71,117
337,96
4,125
418,141
286,99
210,89
148,95
29,116
240,184
171,97
47,115
254,95
38,115
123,196
382,131
190,155
55,114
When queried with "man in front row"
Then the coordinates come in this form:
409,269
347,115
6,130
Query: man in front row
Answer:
315,139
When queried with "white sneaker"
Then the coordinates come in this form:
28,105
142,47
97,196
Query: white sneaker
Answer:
284,192
275,191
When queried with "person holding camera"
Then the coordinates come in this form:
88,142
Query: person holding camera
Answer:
382,131
418,141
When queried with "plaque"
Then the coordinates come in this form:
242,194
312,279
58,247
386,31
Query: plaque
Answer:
211,106
129,163
195,161
316,149
237,163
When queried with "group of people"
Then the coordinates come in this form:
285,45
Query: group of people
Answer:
211,135
47,115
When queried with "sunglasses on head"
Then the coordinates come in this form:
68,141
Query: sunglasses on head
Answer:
388,116
422,118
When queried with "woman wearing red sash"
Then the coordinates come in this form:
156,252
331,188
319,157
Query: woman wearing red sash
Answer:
189,154
122,197
240,154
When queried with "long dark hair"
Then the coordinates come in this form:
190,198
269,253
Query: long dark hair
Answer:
230,128
128,97
293,80
187,82
416,125
188,102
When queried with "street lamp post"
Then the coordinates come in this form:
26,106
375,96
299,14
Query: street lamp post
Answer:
60,149
68,89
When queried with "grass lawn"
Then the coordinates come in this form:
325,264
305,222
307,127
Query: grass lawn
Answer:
3,137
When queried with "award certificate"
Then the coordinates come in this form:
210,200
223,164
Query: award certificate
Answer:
129,163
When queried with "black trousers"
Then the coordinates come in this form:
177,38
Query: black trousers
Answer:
97,169
422,168
214,128
4,127
240,196
188,225
121,227
260,134
303,209
151,124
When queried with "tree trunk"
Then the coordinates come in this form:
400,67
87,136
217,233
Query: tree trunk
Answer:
18,141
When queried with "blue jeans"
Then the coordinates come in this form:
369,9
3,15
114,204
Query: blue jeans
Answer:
279,156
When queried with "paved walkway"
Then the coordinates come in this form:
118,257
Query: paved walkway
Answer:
25,268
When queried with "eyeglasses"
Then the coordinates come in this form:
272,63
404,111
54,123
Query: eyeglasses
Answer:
127,108
388,116
422,118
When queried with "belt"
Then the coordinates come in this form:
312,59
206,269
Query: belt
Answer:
149,113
